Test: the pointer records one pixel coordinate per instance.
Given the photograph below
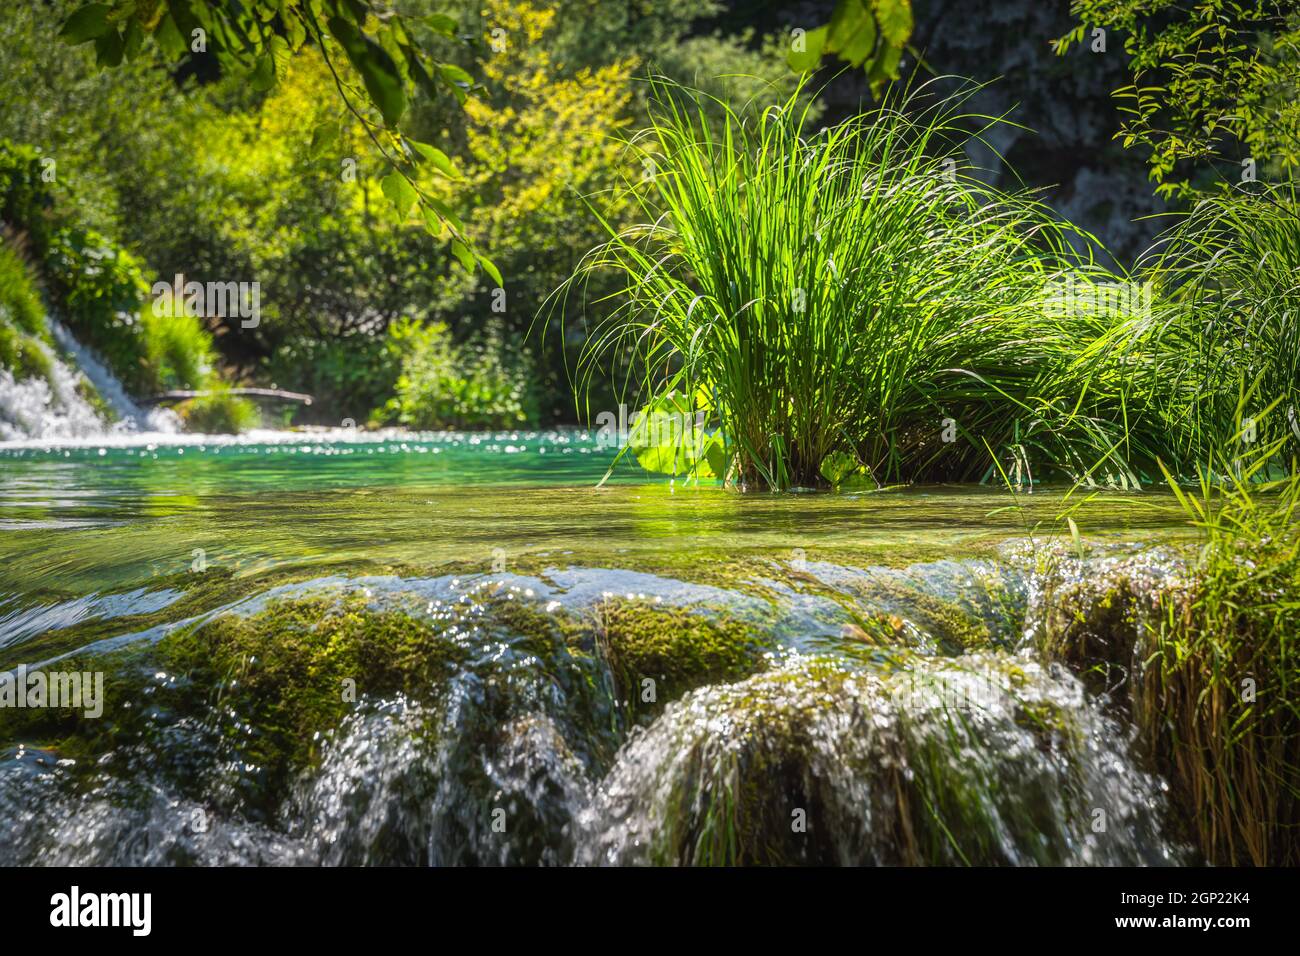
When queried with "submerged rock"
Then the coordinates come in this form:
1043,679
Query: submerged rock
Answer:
992,759
444,721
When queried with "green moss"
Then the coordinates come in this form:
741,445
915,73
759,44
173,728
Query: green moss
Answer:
678,649
285,669
203,592
264,691
884,767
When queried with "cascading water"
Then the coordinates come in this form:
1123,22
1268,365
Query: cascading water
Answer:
512,741
127,413
59,407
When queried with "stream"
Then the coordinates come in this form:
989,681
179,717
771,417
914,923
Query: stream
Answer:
351,648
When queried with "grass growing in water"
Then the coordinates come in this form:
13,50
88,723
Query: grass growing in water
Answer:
1219,695
1232,268
219,412
856,292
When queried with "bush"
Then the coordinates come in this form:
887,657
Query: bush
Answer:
22,319
99,289
219,413
178,351
849,293
481,384
25,200
350,377
20,305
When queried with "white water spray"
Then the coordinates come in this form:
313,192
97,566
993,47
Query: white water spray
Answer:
58,408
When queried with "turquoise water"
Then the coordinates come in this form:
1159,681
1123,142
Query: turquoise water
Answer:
88,517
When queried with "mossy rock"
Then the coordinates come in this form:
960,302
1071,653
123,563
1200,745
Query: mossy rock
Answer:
816,763
1093,615
656,652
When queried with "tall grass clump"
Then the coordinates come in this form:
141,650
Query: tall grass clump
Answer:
1229,272
856,292
1217,696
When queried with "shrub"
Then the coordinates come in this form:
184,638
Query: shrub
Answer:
25,200
219,413
22,319
20,305
99,289
177,349
349,377
846,293
481,384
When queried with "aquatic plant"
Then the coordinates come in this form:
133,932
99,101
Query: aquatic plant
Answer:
1219,693
1230,275
1201,654
857,292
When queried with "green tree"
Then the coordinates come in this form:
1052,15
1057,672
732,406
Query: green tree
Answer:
1212,80
391,54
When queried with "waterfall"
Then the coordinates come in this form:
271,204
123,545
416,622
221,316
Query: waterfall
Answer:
61,407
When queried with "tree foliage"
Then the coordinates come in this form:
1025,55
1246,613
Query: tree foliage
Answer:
1212,80
868,34
391,56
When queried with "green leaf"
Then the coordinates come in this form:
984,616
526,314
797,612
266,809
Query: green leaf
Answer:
666,438
86,23
432,223
134,39
463,255
716,456
323,138
278,48
837,466
441,23
807,61
456,78
169,38
296,30
443,210
399,192
852,32
263,76
490,268
377,69
435,156
109,48
884,67
895,20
